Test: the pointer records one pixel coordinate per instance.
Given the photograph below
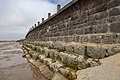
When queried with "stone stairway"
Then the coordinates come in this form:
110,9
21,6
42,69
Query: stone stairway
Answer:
68,58
77,38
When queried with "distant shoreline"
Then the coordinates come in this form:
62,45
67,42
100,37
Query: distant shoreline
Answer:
8,41
12,40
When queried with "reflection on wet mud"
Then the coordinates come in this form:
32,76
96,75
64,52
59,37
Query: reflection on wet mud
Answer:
13,66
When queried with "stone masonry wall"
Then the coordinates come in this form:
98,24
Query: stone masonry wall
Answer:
82,21
75,38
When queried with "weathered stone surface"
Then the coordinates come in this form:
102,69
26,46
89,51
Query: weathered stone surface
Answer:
51,53
118,38
91,50
95,51
90,23
114,12
79,49
94,24
47,52
95,39
58,76
85,38
58,45
69,47
102,28
68,59
112,19
114,49
101,15
115,27
109,38
35,56
92,62
57,65
109,66
67,72
79,31
41,58
113,3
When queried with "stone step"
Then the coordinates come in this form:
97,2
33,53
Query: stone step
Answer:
54,65
70,60
58,67
45,71
91,50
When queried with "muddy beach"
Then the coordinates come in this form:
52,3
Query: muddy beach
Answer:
13,66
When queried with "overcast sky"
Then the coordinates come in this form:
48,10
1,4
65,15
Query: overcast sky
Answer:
17,16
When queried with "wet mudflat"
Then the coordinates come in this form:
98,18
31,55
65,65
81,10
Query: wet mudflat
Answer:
13,66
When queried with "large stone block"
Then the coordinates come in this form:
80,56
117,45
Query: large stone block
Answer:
65,38
112,19
46,52
79,49
92,23
63,57
68,59
91,17
41,58
118,38
51,53
56,55
113,49
115,27
101,15
35,56
112,3
77,38
69,48
101,8
68,73
70,39
58,45
72,60
102,28
88,30
109,38
38,49
114,12
85,38
95,51
102,21
118,18
56,65
79,31
95,39
48,62
91,62
49,44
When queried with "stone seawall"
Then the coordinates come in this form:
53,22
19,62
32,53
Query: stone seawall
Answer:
64,58
81,20
67,59
80,36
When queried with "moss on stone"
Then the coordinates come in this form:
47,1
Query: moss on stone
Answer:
59,58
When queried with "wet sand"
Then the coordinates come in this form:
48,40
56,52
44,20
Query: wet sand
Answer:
13,66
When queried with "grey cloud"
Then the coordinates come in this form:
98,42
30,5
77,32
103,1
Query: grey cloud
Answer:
17,16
